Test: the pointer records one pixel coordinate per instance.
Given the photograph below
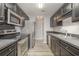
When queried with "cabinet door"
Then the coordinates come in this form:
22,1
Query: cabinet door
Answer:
75,12
7,50
13,53
2,17
53,22
18,10
53,44
67,8
65,52
57,53
11,6
47,39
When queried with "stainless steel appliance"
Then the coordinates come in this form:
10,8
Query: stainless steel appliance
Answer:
13,18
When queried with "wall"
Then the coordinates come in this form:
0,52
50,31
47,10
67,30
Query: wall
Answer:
28,29
46,27
69,26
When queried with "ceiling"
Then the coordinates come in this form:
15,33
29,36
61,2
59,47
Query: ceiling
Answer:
31,9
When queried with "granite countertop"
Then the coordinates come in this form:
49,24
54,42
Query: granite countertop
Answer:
74,41
6,42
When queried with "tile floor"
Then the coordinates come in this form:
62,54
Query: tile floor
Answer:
40,49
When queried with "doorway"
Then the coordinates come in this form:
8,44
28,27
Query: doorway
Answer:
39,28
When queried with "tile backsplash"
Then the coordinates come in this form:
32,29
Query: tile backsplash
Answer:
69,26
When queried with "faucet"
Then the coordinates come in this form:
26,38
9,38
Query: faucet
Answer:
70,35
65,31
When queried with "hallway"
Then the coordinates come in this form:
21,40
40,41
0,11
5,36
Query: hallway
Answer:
40,49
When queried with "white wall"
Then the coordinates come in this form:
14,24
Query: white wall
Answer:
69,26
46,27
29,29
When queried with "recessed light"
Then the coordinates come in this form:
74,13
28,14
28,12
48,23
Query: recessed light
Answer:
40,5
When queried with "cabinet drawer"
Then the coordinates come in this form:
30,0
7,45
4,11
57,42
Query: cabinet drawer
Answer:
7,50
73,50
64,52
13,53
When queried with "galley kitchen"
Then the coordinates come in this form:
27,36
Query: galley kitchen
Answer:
39,29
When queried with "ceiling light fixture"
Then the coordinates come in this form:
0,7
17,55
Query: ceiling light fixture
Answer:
40,5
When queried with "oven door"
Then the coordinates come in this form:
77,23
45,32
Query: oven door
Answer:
14,18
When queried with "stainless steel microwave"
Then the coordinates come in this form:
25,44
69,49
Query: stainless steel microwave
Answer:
13,18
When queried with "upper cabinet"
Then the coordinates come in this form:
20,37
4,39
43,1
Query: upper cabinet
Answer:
2,13
12,14
67,8
11,6
53,21
64,12
21,12
75,12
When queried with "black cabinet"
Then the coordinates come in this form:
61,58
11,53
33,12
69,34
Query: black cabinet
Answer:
64,12
15,8
2,13
53,21
9,51
47,40
11,6
64,52
61,48
67,8
58,49
13,53
21,12
75,12
73,50
53,44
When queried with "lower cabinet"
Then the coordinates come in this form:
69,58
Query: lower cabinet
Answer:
53,44
58,49
13,53
62,48
64,52
9,51
49,40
